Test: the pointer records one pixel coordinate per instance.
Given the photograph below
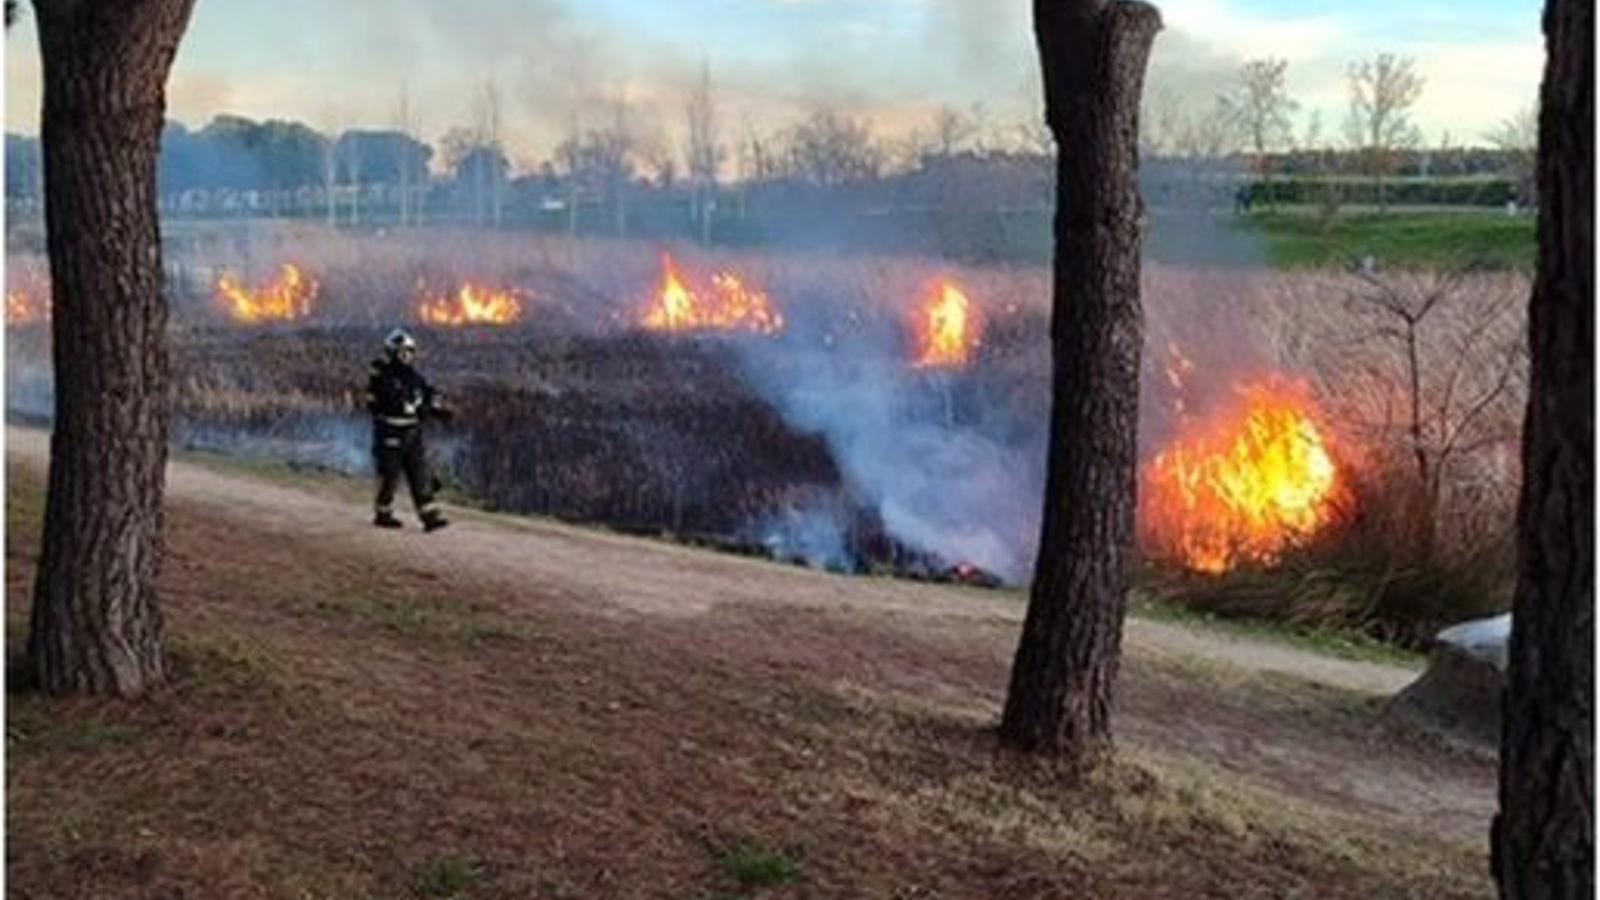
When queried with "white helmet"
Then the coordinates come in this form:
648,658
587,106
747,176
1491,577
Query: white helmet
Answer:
399,339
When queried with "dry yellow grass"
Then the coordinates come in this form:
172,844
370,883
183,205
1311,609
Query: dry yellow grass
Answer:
357,718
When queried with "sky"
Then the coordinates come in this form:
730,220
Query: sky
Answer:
559,63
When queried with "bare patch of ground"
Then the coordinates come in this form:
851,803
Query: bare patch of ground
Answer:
515,708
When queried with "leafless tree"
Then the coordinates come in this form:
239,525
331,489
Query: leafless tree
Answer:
1260,107
1161,120
984,137
704,152
1382,92
756,158
404,122
330,163
1328,192
601,161
907,152
1433,362
566,159
951,130
760,154
829,148
1208,136
1033,137
617,146
352,173
1518,138
1199,142
657,161
476,156
486,128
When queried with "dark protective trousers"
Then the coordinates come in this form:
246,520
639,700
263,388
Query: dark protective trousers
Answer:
396,450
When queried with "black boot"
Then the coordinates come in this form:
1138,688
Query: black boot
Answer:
433,521
386,520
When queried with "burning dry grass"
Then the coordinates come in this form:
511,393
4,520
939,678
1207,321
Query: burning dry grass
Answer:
1250,483
725,304
947,325
1424,531
471,304
1421,377
596,286
284,298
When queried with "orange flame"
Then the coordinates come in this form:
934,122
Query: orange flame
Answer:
22,308
473,304
285,298
728,306
947,327
1245,485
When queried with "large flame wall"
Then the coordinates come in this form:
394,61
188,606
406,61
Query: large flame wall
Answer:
1244,485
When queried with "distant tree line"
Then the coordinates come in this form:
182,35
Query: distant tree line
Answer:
1376,141
971,186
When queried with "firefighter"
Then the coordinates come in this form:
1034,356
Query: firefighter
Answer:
399,399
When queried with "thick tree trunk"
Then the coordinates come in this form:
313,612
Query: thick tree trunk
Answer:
1544,835
95,623
1094,55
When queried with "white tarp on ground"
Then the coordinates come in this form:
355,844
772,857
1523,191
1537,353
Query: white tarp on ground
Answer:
1485,639
1458,696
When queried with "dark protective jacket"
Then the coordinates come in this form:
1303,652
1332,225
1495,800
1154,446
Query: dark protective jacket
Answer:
399,397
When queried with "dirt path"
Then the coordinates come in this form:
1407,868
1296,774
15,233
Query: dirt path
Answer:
600,571
942,645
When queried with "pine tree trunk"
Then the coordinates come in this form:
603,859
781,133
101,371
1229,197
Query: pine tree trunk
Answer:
95,624
1544,835
1094,55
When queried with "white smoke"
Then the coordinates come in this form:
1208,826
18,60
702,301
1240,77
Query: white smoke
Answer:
962,488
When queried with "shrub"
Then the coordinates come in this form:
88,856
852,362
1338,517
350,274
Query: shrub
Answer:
753,866
448,876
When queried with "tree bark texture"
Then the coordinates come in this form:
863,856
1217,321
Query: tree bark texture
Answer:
95,623
1094,55
1543,837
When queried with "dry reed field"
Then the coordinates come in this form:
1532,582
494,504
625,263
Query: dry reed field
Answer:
825,440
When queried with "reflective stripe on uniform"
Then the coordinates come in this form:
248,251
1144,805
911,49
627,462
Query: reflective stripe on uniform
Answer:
398,420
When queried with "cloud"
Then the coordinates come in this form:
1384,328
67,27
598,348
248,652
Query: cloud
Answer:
896,60
1472,87
1470,84
1291,37
24,79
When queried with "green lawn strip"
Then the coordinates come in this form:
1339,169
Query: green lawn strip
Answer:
1334,642
1296,239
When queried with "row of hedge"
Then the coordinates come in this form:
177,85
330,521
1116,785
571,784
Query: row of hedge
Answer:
1451,192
